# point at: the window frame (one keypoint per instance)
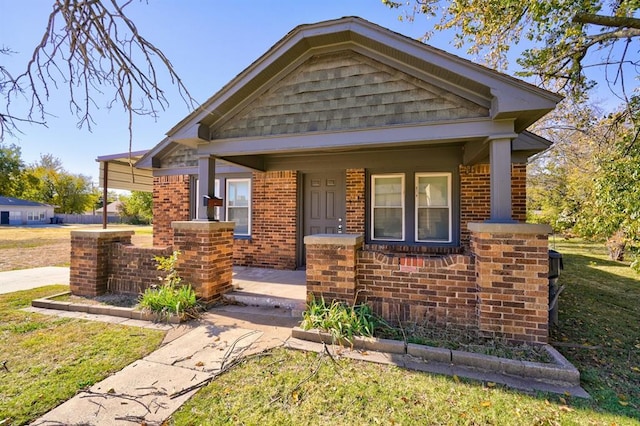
(248, 207)
(373, 205)
(449, 205)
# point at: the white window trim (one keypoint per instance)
(249, 206)
(448, 206)
(373, 205)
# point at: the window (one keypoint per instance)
(198, 204)
(239, 205)
(387, 207)
(412, 208)
(433, 207)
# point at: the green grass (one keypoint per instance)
(599, 326)
(600, 309)
(49, 358)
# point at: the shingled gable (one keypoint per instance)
(371, 74)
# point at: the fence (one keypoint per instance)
(86, 219)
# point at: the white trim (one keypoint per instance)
(373, 204)
(249, 203)
(448, 206)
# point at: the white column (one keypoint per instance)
(206, 183)
(500, 160)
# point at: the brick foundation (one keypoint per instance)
(437, 290)
(512, 266)
(171, 202)
(207, 256)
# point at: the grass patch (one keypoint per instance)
(599, 332)
(49, 359)
(290, 388)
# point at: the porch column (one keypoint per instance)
(500, 163)
(512, 266)
(332, 266)
(206, 183)
(206, 258)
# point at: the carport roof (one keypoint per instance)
(122, 172)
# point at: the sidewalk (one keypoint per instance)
(25, 279)
(149, 390)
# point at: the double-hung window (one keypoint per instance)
(433, 207)
(239, 205)
(387, 205)
(419, 211)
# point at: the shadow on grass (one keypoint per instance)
(599, 328)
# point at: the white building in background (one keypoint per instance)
(14, 211)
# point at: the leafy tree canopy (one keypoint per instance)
(563, 38)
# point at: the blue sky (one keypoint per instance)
(208, 42)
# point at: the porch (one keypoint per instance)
(264, 287)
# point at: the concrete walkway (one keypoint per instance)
(25, 279)
(149, 390)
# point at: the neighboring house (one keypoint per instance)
(345, 127)
(14, 211)
(112, 208)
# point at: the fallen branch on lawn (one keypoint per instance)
(210, 379)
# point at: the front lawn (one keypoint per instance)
(48, 359)
(599, 332)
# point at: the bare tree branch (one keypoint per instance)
(92, 48)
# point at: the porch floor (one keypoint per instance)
(268, 288)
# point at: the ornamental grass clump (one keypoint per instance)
(172, 297)
(342, 321)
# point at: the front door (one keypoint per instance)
(323, 205)
(4, 218)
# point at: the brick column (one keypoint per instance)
(207, 256)
(90, 251)
(331, 265)
(512, 266)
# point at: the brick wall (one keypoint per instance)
(132, 269)
(273, 222)
(332, 266)
(171, 201)
(512, 265)
(90, 254)
(475, 195)
(355, 201)
(207, 256)
(440, 290)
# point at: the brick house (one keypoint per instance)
(392, 171)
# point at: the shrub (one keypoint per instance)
(343, 322)
(172, 297)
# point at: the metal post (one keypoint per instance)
(104, 194)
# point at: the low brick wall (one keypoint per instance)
(440, 290)
(132, 269)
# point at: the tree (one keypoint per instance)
(11, 168)
(567, 38)
(50, 183)
(137, 208)
(89, 47)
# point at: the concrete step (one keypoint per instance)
(294, 307)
